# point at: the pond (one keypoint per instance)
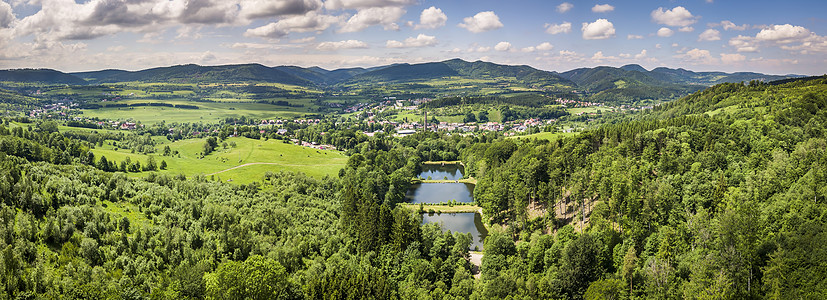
(440, 192)
(461, 222)
(440, 172)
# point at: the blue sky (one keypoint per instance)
(763, 36)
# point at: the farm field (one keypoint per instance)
(590, 109)
(248, 161)
(208, 112)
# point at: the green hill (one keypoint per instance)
(404, 73)
(524, 74)
(47, 76)
(208, 74)
(98, 75)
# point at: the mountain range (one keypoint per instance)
(608, 81)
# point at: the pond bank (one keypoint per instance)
(457, 208)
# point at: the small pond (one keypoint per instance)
(440, 172)
(440, 192)
(461, 222)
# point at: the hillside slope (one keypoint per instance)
(47, 76)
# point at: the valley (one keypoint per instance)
(480, 174)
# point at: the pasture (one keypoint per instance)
(207, 112)
(248, 161)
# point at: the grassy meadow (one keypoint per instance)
(207, 112)
(245, 163)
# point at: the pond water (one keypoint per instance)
(461, 222)
(439, 172)
(440, 192)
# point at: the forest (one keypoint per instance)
(721, 194)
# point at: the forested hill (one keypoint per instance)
(626, 84)
(721, 194)
(209, 74)
(39, 76)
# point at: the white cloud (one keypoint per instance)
(698, 56)
(686, 29)
(634, 37)
(665, 32)
(413, 42)
(303, 40)
(732, 58)
(482, 22)
(364, 18)
(479, 49)
(641, 55)
(676, 17)
(728, 25)
(783, 34)
(787, 37)
(602, 8)
(743, 44)
(300, 23)
(598, 30)
(564, 7)
(256, 9)
(599, 57)
(528, 49)
(360, 4)
(348, 44)
(564, 27)
(710, 35)
(431, 18)
(503, 46)
(546, 46)
(115, 48)
(6, 15)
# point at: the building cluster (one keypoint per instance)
(513, 126)
(388, 103)
(576, 103)
(51, 110)
(313, 145)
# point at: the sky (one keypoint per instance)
(775, 37)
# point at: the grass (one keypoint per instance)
(208, 112)
(551, 136)
(590, 109)
(128, 210)
(727, 109)
(256, 156)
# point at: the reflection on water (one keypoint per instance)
(440, 192)
(461, 222)
(439, 172)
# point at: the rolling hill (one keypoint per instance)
(624, 84)
(47, 76)
(402, 73)
(208, 74)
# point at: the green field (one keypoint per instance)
(590, 109)
(255, 157)
(208, 112)
(551, 136)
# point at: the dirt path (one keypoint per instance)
(476, 261)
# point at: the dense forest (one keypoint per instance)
(718, 195)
